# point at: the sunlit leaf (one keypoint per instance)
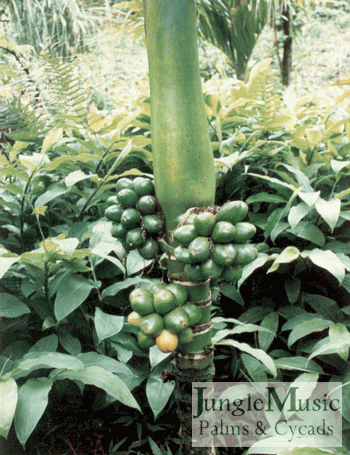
(33, 398)
(8, 402)
(329, 211)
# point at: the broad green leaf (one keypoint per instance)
(131, 377)
(309, 198)
(314, 136)
(256, 264)
(51, 139)
(135, 262)
(6, 263)
(71, 294)
(275, 181)
(257, 353)
(302, 179)
(298, 364)
(51, 194)
(46, 344)
(11, 306)
(325, 306)
(266, 197)
(120, 285)
(306, 451)
(156, 356)
(256, 371)
(68, 246)
(329, 211)
(33, 161)
(289, 254)
(346, 310)
(36, 360)
(241, 328)
(155, 449)
(327, 260)
(345, 260)
(332, 347)
(107, 325)
(292, 288)
(297, 213)
(308, 231)
(295, 320)
(305, 328)
(70, 343)
(339, 333)
(270, 322)
(104, 380)
(33, 398)
(75, 177)
(158, 392)
(337, 166)
(8, 403)
(103, 249)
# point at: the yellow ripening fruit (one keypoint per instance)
(167, 341)
(134, 318)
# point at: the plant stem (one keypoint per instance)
(183, 172)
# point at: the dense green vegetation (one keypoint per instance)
(72, 372)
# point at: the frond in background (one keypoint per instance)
(233, 26)
(62, 26)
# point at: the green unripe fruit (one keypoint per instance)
(194, 312)
(233, 212)
(211, 269)
(123, 183)
(112, 200)
(153, 224)
(134, 319)
(232, 273)
(189, 218)
(134, 238)
(164, 301)
(193, 272)
(127, 198)
(158, 286)
(186, 336)
(150, 249)
(223, 232)
(204, 223)
(141, 301)
(114, 212)
(143, 186)
(176, 320)
(182, 254)
(145, 341)
(130, 218)
(185, 234)
(244, 232)
(118, 231)
(147, 205)
(199, 249)
(152, 324)
(224, 254)
(245, 254)
(180, 293)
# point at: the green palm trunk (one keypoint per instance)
(183, 168)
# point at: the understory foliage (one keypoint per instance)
(64, 280)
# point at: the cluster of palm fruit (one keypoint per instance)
(213, 242)
(136, 215)
(163, 316)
